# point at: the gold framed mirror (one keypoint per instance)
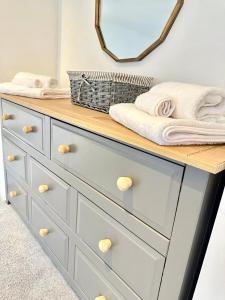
(130, 30)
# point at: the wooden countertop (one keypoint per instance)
(210, 158)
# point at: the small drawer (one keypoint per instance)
(146, 186)
(14, 158)
(25, 124)
(17, 196)
(55, 192)
(91, 282)
(131, 259)
(49, 233)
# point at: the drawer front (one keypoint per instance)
(26, 124)
(131, 259)
(55, 192)
(50, 234)
(14, 158)
(91, 282)
(155, 182)
(17, 196)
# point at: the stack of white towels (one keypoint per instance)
(34, 86)
(174, 113)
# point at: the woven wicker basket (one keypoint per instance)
(99, 90)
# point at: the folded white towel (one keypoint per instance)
(155, 104)
(195, 101)
(167, 131)
(19, 90)
(34, 80)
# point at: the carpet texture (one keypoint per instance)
(26, 273)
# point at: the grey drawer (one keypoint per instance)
(54, 191)
(55, 239)
(15, 158)
(91, 282)
(131, 259)
(156, 182)
(19, 119)
(17, 196)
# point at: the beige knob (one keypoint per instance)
(64, 149)
(12, 194)
(27, 129)
(124, 183)
(11, 157)
(43, 232)
(101, 298)
(105, 245)
(43, 188)
(6, 117)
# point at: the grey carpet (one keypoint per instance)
(26, 273)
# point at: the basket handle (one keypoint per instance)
(84, 80)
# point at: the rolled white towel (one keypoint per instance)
(168, 131)
(195, 101)
(34, 80)
(28, 82)
(19, 90)
(155, 104)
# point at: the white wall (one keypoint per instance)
(29, 37)
(29, 40)
(211, 280)
(193, 52)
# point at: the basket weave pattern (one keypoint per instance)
(99, 90)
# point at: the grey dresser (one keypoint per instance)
(118, 222)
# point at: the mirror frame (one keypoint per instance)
(153, 46)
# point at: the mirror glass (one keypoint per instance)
(129, 27)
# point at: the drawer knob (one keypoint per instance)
(12, 194)
(100, 298)
(27, 129)
(124, 183)
(63, 149)
(43, 188)
(6, 117)
(43, 232)
(11, 157)
(105, 245)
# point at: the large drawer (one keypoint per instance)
(17, 196)
(49, 233)
(131, 259)
(155, 182)
(49, 187)
(91, 282)
(15, 158)
(26, 124)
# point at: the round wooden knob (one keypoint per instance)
(12, 194)
(105, 245)
(101, 298)
(124, 183)
(43, 232)
(11, 157)
(6, 117)
(64, 149)
(43, 188)
(27, 129)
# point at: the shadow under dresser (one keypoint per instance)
(119, 220)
